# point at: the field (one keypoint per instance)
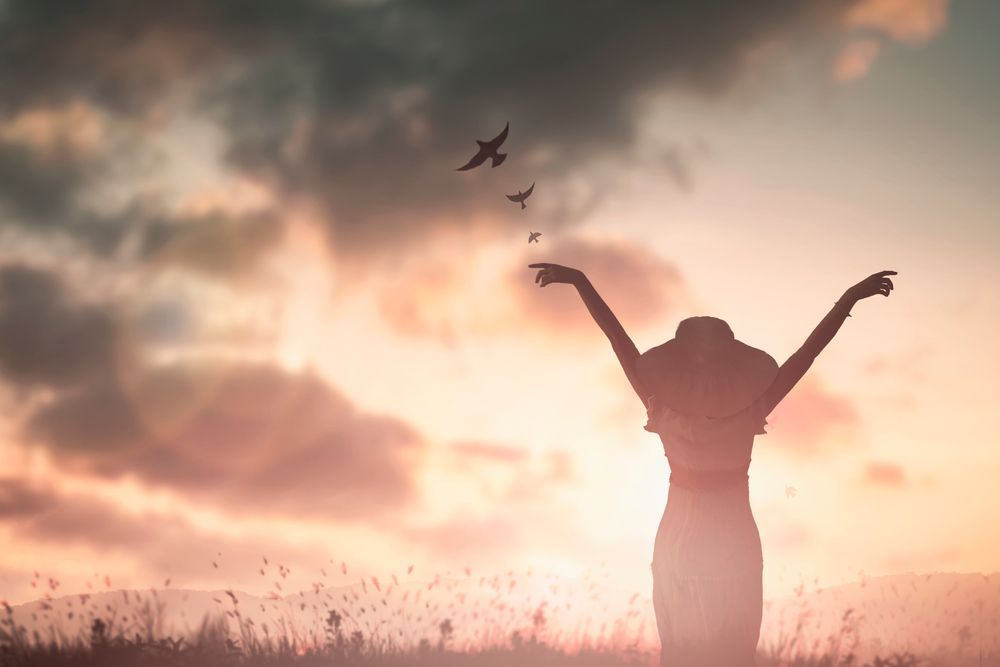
(457, 621)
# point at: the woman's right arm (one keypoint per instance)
(622, 345)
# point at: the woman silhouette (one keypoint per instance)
(707, 395)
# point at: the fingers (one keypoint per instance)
(885, 287)
(544, 266)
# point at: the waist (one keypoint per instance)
(708, 480)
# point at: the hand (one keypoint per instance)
(876, 283)
(555, 273)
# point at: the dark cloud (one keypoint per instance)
(252, 436)
(366, 108)
(255, 438)
(45, 337)
(21, 498)
(390, 101)
(214, 243)
(45, 192)
(39, 188)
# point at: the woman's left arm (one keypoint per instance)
(796, 366)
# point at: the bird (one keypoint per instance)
(488, 149)
(790, 491)
(521, 196)
(533, 236)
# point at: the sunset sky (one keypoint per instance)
(248, 306)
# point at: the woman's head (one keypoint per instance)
(704, 370)
(703, 336)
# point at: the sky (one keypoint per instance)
(248, 307)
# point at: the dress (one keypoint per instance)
(707, 560)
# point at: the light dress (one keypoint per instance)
(707, 560)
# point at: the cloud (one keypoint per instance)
(19, 498)
(908, 21)
(462, 539)
(812, 421)
(45, 337)
(638, 285)
(41, 186)
(446, 297)
(855, 60)
(249, 435)
(911, 21)
(163, 543)
(493, 453)
(366, 108)
(885, 474)
(383, 135)
(47, 188)
(253, 437)
(424, 301)
(906, 364)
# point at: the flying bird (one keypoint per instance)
(521, 196)
(533, 236)
(790, 491)
(488, 149)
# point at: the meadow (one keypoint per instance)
(480, 622)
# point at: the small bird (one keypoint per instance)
(790, 492)
(488, 149)
(533, 236)
(521, 196)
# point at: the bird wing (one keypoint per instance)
(527, 193)
(500, 138)
(475, 161)
(516, 197)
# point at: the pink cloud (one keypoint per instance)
(490, 539)
(438, 298)
(885, 474)
(907, 21)
(855, 59)
(421, 301)
(637, 284)
(161, 543)
(912, 21)
(253, 437)
(489, 452)
(811, 420)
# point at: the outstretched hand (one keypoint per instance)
(555, 273)
(876, 283)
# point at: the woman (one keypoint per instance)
(707, 395)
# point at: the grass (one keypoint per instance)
(82, 633)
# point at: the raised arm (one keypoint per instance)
(796, 366)
(622, 345)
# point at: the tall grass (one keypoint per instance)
(348, 628)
